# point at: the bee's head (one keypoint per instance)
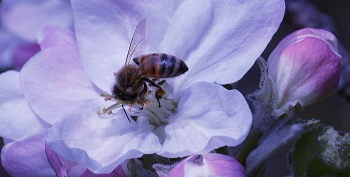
(123, 95)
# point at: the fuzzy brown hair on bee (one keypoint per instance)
(131, 80)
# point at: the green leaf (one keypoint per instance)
(321, 152)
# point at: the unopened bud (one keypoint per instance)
(210, 164)
(305, 67)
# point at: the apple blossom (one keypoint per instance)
(305, 67)
(210, 164)
(219, 41)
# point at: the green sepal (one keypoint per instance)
(162, 170)
(135, 168)
(321, 152)
(279, 137)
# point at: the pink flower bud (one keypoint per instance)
(210, 164)
(305, 67)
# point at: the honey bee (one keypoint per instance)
(130, 85)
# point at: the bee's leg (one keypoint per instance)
(159, 92)
(142, 96)
(158, 97)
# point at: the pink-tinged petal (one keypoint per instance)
(22, 54)
(26, 157)
(101, 143)
(179, 169)
(26, 18)
(54, 81)
(17, 119)
(305, 66)
(104, 31)
(63, 167)
(220, 40)
(223, 165)
(56, 162)
(298, 36)
(117, 172)
(216, 121)
(211, 164)
(51, 36)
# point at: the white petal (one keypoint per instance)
(101, 143)
(104, 31)
(220, 40)
(54, 81)
(17, 119)
(52, 36)
(209, 117)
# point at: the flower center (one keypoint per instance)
(158, 116)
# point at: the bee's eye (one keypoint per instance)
(126, 97)
(122, 96)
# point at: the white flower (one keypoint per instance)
(218, 40)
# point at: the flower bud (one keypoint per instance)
(210, 164)
(305, 67)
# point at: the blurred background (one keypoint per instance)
(332, 15)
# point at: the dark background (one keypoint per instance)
(334, 110)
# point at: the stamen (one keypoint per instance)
(109, 109)
(156, 115)
(145, 105)
(105, 95)
(102, 112)
(113, 106)
(108, 99)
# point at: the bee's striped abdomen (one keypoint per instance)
(161, 65)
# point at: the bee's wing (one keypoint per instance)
(138, 41)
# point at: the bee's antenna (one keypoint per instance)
(126, 113)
